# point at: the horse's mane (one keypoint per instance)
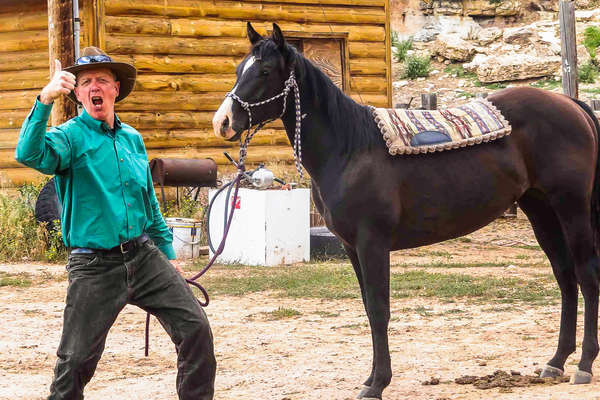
(355, 127)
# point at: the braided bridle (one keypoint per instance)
(289, 84)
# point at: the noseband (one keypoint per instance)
(289, 84)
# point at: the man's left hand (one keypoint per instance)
(177, 266)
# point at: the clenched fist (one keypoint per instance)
(61, 83)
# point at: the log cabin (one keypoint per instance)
(186, 52)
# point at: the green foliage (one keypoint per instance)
(591, 41)
(491, 86)
(587, 73)
(457, 71)
(15, 280)
(401, 46)
(416, 67)
(21, 237)
(283, 313)
(548, 84)
(332, 281)
(187, 208)
(591, 90)
(395, 38)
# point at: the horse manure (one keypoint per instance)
(505, 380)
(432, 381)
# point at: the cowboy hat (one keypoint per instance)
(94, 58)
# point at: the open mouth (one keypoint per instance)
(97, 101)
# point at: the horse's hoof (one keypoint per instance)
(581, 377)
(365, 395)
(551, 372)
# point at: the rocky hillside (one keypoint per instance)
(480, 46)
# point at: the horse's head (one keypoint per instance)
(260, 76)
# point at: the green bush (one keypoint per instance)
(591, 41)
(21, 237)
(587, 73)
(402, 47)
(416, 67)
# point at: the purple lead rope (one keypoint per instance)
(219, 250)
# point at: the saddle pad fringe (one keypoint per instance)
(476, 122)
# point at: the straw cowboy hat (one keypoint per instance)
(94, 58)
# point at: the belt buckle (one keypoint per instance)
(123, 251)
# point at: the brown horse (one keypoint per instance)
(375, 202)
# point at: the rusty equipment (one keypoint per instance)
(183, 172)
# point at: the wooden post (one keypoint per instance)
(61, 47)
(568, 48)
(595, 105)
(429, 101)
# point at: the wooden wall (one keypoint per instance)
(186, 52)
(24, 70)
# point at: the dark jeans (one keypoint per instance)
(100, 286)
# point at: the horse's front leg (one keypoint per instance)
(374, 265)
(356, 265)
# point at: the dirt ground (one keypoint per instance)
(324, 353)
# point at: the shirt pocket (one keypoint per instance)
(138, 164)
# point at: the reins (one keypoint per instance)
(290, 84)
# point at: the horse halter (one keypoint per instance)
(289, 84)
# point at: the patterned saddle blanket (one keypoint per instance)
(428, 131)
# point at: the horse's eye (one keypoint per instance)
(265, 72)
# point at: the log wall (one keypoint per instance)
(24, 70)
(186, 52)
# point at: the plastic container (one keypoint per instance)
(269, 227)
(186, 236)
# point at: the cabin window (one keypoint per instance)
(326, 50)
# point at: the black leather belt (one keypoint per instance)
(122, 248)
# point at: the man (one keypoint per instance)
(120, 244)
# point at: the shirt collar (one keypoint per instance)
(99, 126)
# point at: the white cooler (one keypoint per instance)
(269, 227)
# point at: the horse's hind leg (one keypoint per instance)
(548, 232)
(573, 212)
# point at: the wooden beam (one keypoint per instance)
(568, 48)
(194, 27)
(24, 60)
(23, 40)
(31, 21)
(26, 79)
(61, 47)
(93, 23)
(388, 52)
(241, 10)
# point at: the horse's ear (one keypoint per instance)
(278, 37)
(253, 36)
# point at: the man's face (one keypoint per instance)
(97, 90)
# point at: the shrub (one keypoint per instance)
(591, 41)
(21, 237)
(416, 67)
(587, 73)
(402, 48)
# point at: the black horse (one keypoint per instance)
(375, 202)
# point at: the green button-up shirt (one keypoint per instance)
(102, 179)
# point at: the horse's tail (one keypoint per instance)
(595, 206)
